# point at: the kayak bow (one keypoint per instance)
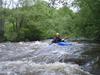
(64, 43)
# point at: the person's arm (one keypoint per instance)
(52, 41)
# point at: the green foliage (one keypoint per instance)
(40, 21)
(9, 32)
(29, 33)
(89, 18)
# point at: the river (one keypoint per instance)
(40, 58)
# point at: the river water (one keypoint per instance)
(40, 58)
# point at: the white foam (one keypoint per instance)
(52, 68)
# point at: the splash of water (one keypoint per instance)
(38, 58)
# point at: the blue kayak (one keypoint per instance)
(64, 43)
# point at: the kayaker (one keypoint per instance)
(57, 38)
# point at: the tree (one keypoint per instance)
(1, 2)
(89, 18)
(1, 20)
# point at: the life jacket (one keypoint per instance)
(56, 40)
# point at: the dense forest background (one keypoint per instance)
(29, 20)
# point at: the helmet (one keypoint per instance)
(57, 34)
(63, 39)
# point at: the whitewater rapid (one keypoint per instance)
(40, 58)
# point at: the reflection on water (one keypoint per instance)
(40, 58)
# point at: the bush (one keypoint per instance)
(9, 32)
